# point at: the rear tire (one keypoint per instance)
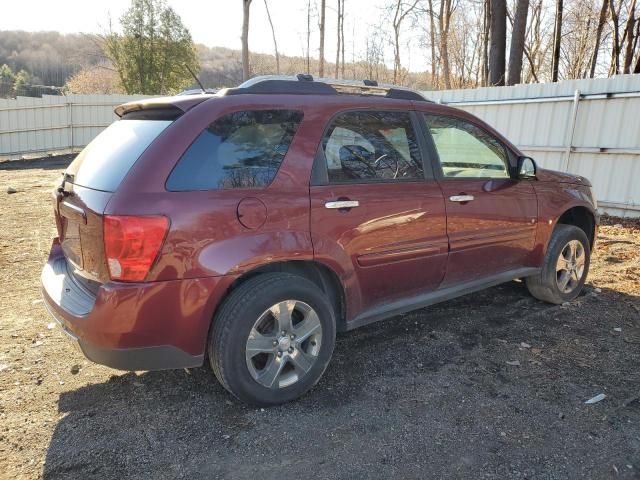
(565, 267)
(272, 339)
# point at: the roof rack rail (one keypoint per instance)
(304, 84)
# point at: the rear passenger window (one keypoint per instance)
(363, 146)
(239, 150)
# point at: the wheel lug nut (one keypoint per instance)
(275, 343)
(284, 333)
(292, 336)
(279, 353)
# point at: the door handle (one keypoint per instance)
(461, 198)
(340, 204)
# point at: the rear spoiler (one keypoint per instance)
(158, 108)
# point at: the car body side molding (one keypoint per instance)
(382, 312)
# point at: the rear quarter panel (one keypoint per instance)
(206, 237)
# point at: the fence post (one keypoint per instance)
(70, 120)
(570, 131)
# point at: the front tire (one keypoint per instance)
(565, 268)
(272, 339)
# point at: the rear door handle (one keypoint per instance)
(461, 198)
(340, 204)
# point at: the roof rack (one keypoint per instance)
(303, 84)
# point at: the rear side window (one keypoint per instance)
(106, 160)
(239, 150)
(363, 146)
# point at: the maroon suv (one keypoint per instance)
(248, 227)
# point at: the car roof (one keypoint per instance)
(303, 84)
(267, 85)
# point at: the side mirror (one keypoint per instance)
(526, 167)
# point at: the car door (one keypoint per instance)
(373, 212)
(491, 217)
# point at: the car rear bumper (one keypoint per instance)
(133, 326)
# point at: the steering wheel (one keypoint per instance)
(389, 164)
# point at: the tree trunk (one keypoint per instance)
(399, 16)
(557, 38)
(342, 37)
(432, 34)
(517, 42)
(246, 4)
(321, 67)
(445, 18)
(339, 39)
(498, 48)
(628, 33)
(636, 69)
(273, 33)
(308, 36)
(485, 41)
(602, 20)
(615, 52)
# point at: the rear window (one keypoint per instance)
(239, 150)
(106, 160)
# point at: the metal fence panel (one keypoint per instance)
(595, 134)
(590, 127)
(54, 124)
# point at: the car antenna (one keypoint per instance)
(195, 77)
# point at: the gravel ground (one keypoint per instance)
(491, 385)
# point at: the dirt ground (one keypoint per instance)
(449, 391)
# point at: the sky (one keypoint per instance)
(218, 23)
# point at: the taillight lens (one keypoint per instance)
(131, 245)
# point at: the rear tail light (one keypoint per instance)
(132, 244)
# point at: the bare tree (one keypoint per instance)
(432, 35)
(273, 33)
(308, 36)
(497, 52)
(246, 5)
(486, 24)
(536, 47)
(342, 37)
(321, 25)
(517, 42)
(401, 10)
(557, 39)
(629, 37)
(636, 69)
(602, 20)
(615, 48)
(444, 21)
(339, 38)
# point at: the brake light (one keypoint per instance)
(132, 244)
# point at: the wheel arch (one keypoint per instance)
(321, 275)
(582, 218)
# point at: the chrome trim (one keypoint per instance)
(74, 208)
(342, 204)
(461, 198)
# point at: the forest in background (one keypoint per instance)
(466, 43)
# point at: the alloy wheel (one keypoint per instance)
(283, 344)
(570, 266)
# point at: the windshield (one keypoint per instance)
(106, 160)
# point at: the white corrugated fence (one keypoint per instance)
(54, 124)
(587, 127)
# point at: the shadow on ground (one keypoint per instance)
(57, 162)
(425, 395)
